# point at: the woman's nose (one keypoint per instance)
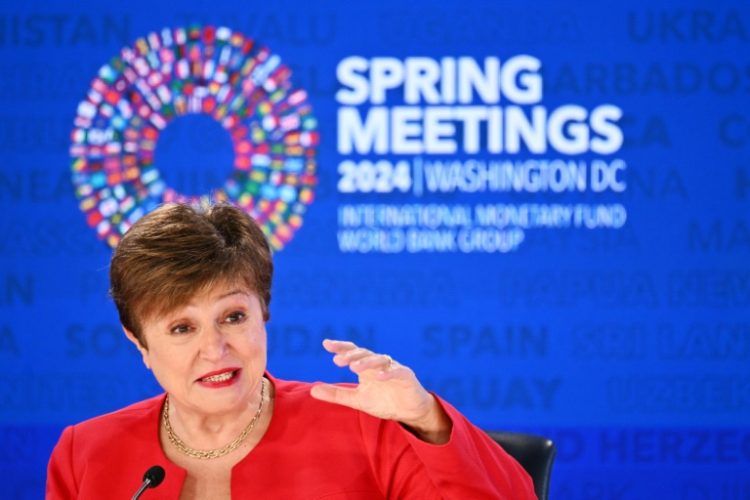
(213, 343)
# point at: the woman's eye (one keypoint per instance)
(180, 329)
(235, 317)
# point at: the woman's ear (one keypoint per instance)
(144, 352)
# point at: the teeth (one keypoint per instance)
(219, 378)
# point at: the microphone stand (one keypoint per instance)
(151, 479)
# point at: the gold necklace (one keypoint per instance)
(217, 452)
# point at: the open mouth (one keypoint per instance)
(220, 377)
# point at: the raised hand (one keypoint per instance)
(386, 389)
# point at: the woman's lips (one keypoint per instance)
(220, 378)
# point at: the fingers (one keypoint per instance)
(352, 356)
(382, 362)
(338, 346)
(335, 394)
(358, 359)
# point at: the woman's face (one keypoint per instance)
(209, 354)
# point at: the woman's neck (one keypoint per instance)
(205, 431)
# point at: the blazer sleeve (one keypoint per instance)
(61, 482)
(469, 465)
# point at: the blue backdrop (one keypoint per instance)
(543, 209)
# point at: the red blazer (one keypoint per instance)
(311, 450)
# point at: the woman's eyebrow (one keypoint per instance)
(233, 292)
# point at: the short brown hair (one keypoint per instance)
(179, 250)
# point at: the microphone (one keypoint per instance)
(151, 479)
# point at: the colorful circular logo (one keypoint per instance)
(165, 75)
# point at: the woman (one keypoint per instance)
(192, 288)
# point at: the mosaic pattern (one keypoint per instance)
(175, 72)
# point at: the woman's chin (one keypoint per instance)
(226, 397)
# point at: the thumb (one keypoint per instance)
(330, 393)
